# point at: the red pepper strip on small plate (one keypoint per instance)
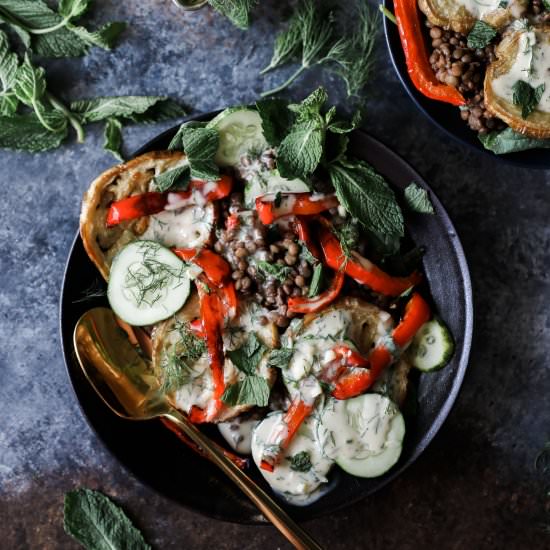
(301, 228)
(242, 463)
(211, 309)
(362, 270)
(299, 204)
(293, 418)
(417, 312)
(153, 202)
(216, 269)
(312, 305)
(416, 55)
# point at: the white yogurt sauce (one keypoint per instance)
(294, 485)
(187, 227)
(532, 65)
(238, 433)
(478, 8)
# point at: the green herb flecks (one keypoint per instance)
(96, 522)
(279, 358)
(248, 356)
(481, 35)
(253, 390)
(177, 363)
(275, 271)
(418, 199)
(147, 280)
(300, 462)
(316, 284)
(237, 11)
(527, 97)
(348, 235)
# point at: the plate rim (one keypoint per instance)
(422, 103)
(442, 413)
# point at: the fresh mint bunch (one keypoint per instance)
(312, 37)
(33, 119)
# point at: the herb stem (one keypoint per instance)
(285, 84)
(387, 13)
(75, 123)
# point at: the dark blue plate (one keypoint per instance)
(156, 457)
(446, 116)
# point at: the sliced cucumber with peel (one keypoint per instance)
(240, 130)
(432, 347)
(147, 283)
(379, 461)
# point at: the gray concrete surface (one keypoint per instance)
(475, 487)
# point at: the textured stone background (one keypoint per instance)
(475, 487)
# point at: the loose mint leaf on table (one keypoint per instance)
(100, 108)
(166, 109)
(526, 96)
(418, 200)
(237, 11)
(481, 34)
(30, 83)
(99, 524)
(176, 178)
(508, 141)
(248, 356)
(8, 71)
(27, 133)
(366, 195)
(113, 138)
(276, 119)
(253, 390)
(73, 8)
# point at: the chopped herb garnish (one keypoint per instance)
(279, 358)
(253, 390)
(418, 199)
(526, 96)
(481, 35)
(276, 271)
(300, 462)
(247, 357)
(316, 281)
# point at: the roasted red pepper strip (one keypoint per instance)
(228, 296)
(362, 270)
(293, 418)
(312, 305)
(416, 55)
(301, 228)
(212, 317)
(417, 312)
(299, 204)
(242, 463)
(150, 203)
(216, 269)
(351, 357)
(196, 328)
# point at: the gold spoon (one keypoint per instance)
(127, 385)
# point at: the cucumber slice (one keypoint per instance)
(366, 434)
(432, 347)
(271, 183)
(147, 283)
(240, 131)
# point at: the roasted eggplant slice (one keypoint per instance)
(523, 55)
(460, 16)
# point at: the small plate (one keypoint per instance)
(446, 116)
(157, 458)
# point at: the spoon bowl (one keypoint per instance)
(127, 384)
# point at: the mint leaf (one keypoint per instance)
(96, 522)
(526, 96)
(72, 8)
(100, 108)
(8, 75)
(30, 83)
(508, 141)
(366, 195)
(248, 356)
(279, 358)
(316, 281)
(200, 145)
(105, 37)
(481, 35)
(178, 177)
(275, 271)
(418, 200)
(276, 119)
(300, 462)
(311, 106)
(166, 109)
(237, 11)
(27, 133)
(253, 390)
(345, 126)
(113, 138)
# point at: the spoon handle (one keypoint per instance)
(270, 509)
